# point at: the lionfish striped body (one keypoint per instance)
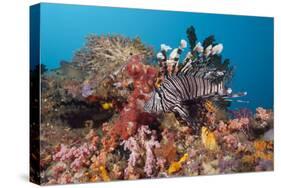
(176, 91)
(197, 78)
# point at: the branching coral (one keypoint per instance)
(114, 51)
(110, 49)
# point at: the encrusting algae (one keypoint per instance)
(106, 115)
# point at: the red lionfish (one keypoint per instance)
(201, 75)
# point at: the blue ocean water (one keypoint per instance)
(248, 41)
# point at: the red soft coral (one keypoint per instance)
(134, 67)
(132, 116)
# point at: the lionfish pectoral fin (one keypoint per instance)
(193, 101)
(182, 112)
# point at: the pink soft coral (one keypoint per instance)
(262, 114)
(132, 145)
(238, 124)
(77, 157)
(231, 141)
(150, 158)
(145, 140)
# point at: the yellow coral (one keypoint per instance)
(261, 152)
(176, 166)
(208, 139)
(183, 158)
(100, 173)
(104, 174)
(107, 105)
(263, 155)
(261, 145)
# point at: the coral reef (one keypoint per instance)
(94, 126)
